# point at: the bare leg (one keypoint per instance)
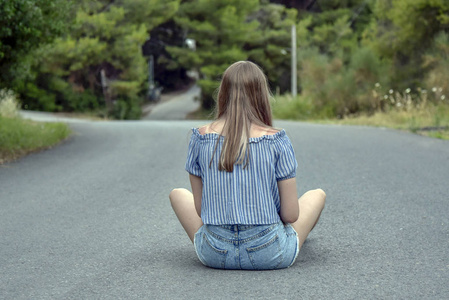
(182, 203)
(310, 206)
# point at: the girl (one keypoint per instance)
(244, 212)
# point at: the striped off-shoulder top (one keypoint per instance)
(246, 195)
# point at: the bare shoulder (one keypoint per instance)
(257, 131)
(272, 131)
(210, 128)
(203, 129)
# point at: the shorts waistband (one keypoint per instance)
(241, 233)
(238, 227)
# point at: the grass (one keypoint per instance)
(19, 137)
(425, 119)
(432, 121)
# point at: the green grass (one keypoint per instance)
(431, 120)
(427, 119)
(19, 137)
(288, 108)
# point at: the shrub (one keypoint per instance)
(36, 98)
(126, 110)
(298, 108)
(337, 88)
(81, 101)
(9, 106)
(437, 60)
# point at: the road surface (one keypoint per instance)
(178, 107)
(90, 218)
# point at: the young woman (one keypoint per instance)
(244, 212)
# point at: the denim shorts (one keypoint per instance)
(247, 247)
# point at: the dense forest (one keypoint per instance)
(353, 56)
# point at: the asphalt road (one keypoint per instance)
(90, 218)
(178, 107)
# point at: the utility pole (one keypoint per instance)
(293, 52)
(106, 91)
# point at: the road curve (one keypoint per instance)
(91, 218)
(178, 107)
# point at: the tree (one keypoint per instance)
(436, 60)
(106, 38)
(165, 35)
(221, 29)
(24, 26)
(271, 42)
(402, 31)
(336, 73)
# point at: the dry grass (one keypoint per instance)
(423, 112)
(431, 120)
(9, 106)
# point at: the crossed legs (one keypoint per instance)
(182, 203)
(310, 206)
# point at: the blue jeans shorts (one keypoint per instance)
(247, 247)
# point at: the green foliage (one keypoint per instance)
(412, 23)
(271, 42)
(437, 61)
(350, 53)
(337, 88)
(37, 98)
(19, 137)
(79, 101)
(105, 36)
(402, 31)
(24, 26)
(126, 110)
(220, 29)
(299, 108)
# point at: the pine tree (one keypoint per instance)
(402, 31)
(221, 29)
(107, 37)
(271, 43)
(24, 26)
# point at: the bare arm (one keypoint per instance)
(289, 200)
(197, 190)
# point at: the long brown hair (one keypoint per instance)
(243, 99)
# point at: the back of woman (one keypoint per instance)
(243, 212)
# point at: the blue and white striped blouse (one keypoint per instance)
(243, 196)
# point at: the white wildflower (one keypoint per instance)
(443, 97)
(440, 90)
(377, 84)
(390, 91)
(385, 97)
(434, 89)
(408, 90)
(398, 104)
